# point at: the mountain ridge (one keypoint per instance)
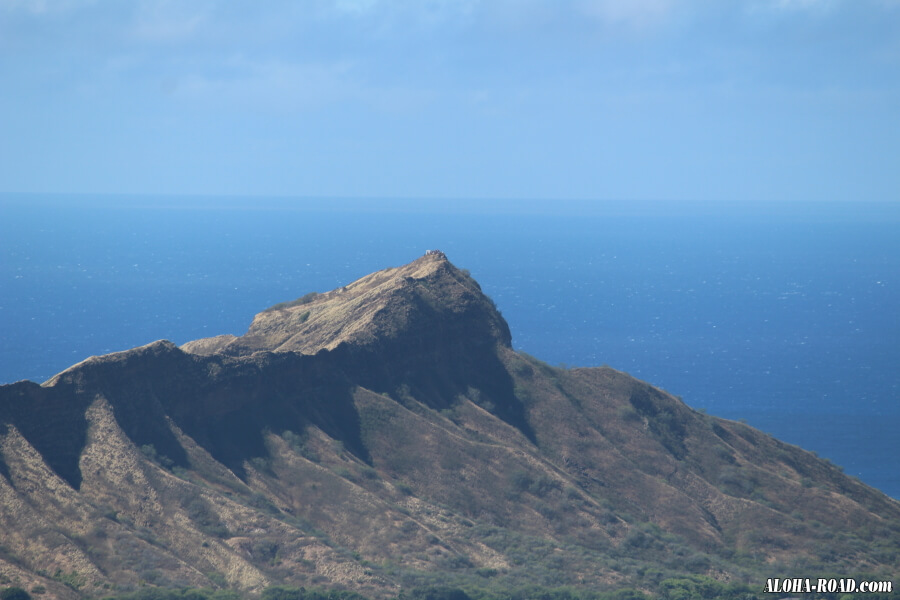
(393, 436)
(370, 308)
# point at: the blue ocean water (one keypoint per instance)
(785, 316)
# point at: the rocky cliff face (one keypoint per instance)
(386, 434)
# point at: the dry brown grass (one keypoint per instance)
(429, 451)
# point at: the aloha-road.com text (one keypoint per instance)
(801, 585)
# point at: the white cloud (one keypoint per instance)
(269, 85)
(355, 7)
(166, 20)
(636, 13)
(799, 5)
(44, 7)
(428, 13)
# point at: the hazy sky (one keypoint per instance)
(609, 99)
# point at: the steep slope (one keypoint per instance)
(426, 326)
(385, 435)
(428, 295)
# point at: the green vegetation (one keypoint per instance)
(470, 472)
(14, 593)
(73, 579)
(305, 299)
(293, 593)
(204, 517)
(299, 442)
(155, 593)
(693, 587)
(149, 450)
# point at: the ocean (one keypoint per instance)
(782, 315)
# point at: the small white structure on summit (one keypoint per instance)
(437, 253)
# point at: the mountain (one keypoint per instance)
(386, 435)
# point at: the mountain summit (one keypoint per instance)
(386, 435)
(426, 295)
(425, 326)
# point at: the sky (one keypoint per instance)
(771, 100)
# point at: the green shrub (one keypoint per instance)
(204, 517)
(627, 413)
(281, 592)
(438, 593)
(305, 299)
(72, 580)
(265, 550)
(14, 593)
(149, 450)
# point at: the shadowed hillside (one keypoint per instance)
(385, 435)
